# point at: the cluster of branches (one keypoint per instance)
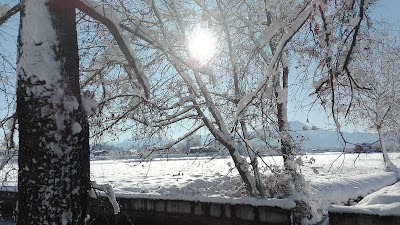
(243, 88)
(239, 94)
(375, 70)
(242, 92)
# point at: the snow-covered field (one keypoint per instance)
(333, 177)
(161, 174)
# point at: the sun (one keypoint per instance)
(202, 45)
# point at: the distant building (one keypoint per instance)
(101, 153)
(365, 148)
(202, 150)
(122, 153)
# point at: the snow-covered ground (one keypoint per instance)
(334, 177)
(384, 202)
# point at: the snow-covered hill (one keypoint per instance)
(306, 136)
(327, 139)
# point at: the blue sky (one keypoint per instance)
(389, 9)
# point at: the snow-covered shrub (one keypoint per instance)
(278, 184)
(281, 183)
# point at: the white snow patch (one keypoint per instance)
(318, 83)
(39, 40)
(3, 9)
(340, 190)
(88, 103)
(71, 104)
(355, 21)
(108, 189)
(384, 202)
(76, 128)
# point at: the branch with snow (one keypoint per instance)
(292, 30)
(6, 12)
(108, 189)
(108, 17)
(184, 137)
(345, 58)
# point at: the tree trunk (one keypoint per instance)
(283, 124)
(389, 166)
(253, 160)
(225, 138)
(53, 158)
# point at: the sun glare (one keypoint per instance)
(202, 45)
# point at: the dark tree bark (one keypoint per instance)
(53, 160)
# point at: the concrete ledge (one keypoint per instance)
(361, 219)
(162, 211)
(8, 200)
(177, 212)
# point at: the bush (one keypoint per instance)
(292, 185)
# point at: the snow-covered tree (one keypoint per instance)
(337, 36)
(376, 70)
(239, 89)
(250, 44)
(220, 66)
(362, 79)
(53, 132)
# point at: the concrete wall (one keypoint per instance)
(151, 211)
(141, 211)
(336, 218)
(154, 211)
(8, 202)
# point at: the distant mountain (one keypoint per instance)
(327, 139)
(296, 125)
(307, 137)
(139, 144)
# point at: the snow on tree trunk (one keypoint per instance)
(53, 158)
(389, 166)
(305, 208)
(283, 124)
